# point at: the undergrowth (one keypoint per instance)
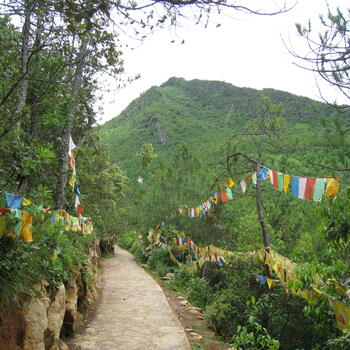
(22, 264)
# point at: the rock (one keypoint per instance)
(196, 336)
(56, 311)
(183, 302)
(12, 324)
(36, 333)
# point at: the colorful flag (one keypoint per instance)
(71, 146)
(280, 178)
(230, 182)
(319, 190)
(302, 187)
(243, 186)
(275, 178)
(286, 181)
(13, 200)
(332, 187)
(229, 193)
(309, 189)
(78, 206)
(263, 173)
(295, 186)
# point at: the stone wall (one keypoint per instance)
(40, 323)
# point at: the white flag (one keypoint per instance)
(71, 146)
(243, 186)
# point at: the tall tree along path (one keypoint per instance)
(133, 313)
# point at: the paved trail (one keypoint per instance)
(133, 313)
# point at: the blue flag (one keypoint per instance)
(13, 200)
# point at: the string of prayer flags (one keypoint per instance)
(308, 188)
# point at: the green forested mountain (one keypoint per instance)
(200, 114)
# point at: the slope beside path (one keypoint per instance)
(133, 313)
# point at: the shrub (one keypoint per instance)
(22, 264)
(160, 262)
(126, 240)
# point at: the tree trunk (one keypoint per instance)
(76, 85)
(259, 204)
(23, 85)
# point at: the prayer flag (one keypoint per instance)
(243, 186)
(229, 193)
(332, 187)
(26, 229)
(13, 200)
(302, 187)
(224, 197)
(71, 146)
(54, 254)
(309, 190)
(342, 314)
(254, 178)
(230, 182)
(286, 181)
(78, 206)
(76, 189)
(72, 161)
(263, 173)
(295, 186)
(280, 178)
(319, 190)
(275, 178)
(26, 202)
(271, 176)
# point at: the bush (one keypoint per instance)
(138, 252)
(126, 240)
(197, 291)
(159, 261)
(22, 264)
(254, 337)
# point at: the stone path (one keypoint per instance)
(133, 313)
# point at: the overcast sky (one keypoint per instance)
(246, 51)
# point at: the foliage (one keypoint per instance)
(23, 264)
(256, 339)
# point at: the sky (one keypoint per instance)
(245, 50)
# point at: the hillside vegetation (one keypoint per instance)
(182, 141)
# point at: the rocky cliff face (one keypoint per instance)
(40, 322)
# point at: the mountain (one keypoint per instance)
(201, 114)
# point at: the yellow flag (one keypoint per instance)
(342, 314)
(72, 181)
(286, 179)
(54, 254)
(271, 283)
(26, 202)
(332, 187)
(230, 182)
(26, 229)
